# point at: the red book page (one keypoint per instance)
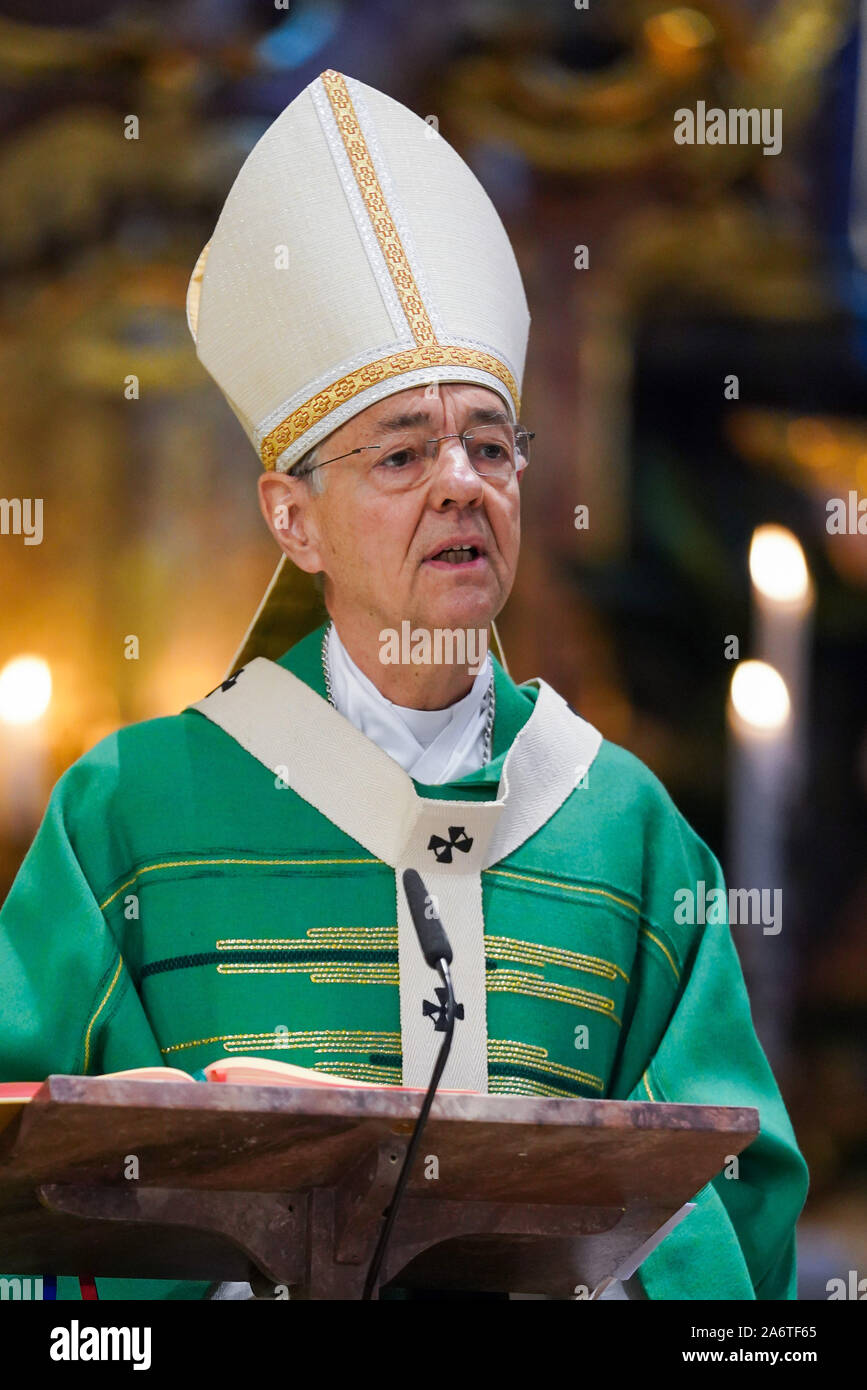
(18, 1090)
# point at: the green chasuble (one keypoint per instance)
(179, 905)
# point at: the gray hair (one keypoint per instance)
(305, 467)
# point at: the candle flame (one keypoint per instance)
(778, 567)
(25, 690)
(759, 696)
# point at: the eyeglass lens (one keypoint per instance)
(495, 451)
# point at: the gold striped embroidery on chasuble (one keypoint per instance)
(557, 981)
(557, 959)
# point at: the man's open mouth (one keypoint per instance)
(457, 555)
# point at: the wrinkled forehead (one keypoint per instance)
(461, 403)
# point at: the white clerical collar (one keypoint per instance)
(433, 746)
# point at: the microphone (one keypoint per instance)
(437, 951)
(429, 929)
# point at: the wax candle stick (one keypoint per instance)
(25, 693)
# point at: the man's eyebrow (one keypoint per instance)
(480, 416)
(483, 416)
(403, 422)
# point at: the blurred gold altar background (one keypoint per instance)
(702, 261)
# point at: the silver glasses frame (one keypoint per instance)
(463, 436)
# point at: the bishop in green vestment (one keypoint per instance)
(222, 881)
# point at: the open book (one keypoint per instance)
(255, 1071)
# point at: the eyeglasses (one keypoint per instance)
(497, 452)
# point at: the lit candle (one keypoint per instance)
(760, 728)
(25, 693)
(782, 602)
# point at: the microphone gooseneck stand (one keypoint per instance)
(438, 954)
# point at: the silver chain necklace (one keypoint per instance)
(490, 697)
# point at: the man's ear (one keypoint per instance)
(287, 506)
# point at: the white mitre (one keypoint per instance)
(356, 255)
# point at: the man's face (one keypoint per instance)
(377, 548)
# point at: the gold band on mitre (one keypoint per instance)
(397, 364)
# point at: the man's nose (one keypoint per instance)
(454, 478)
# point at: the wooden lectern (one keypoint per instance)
(289, 1184)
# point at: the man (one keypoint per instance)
(225, 881)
